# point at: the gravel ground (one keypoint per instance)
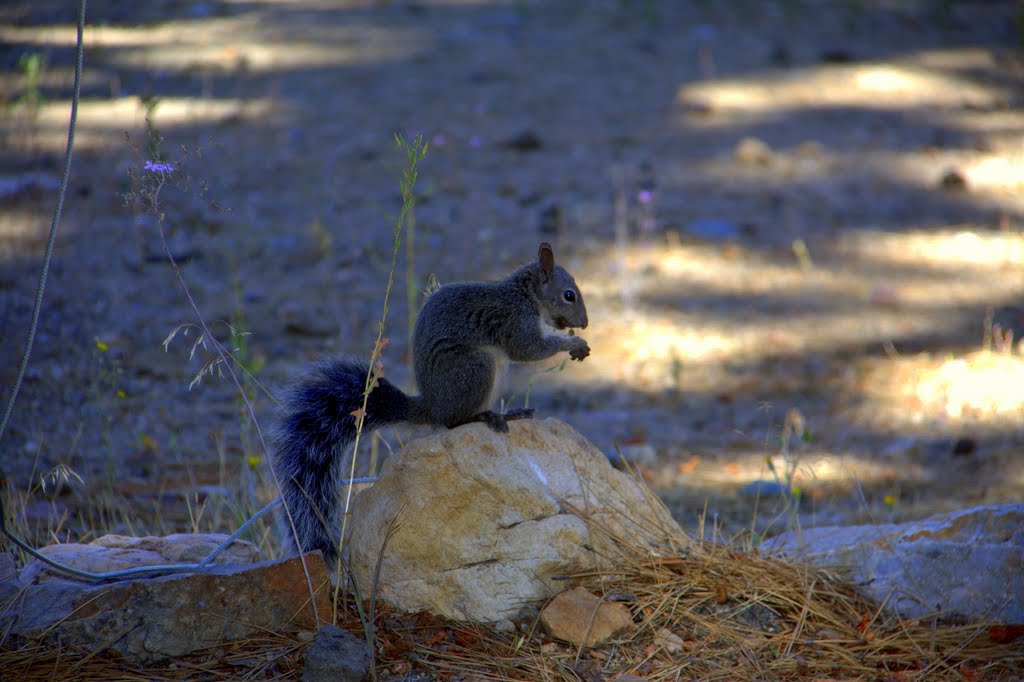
(797, 226)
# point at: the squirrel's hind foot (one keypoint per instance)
(521, 413)
(498, 422)
(494, 420)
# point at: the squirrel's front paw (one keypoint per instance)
(580, 349)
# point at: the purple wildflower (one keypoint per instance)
(159, 167)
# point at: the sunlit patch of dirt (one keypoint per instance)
(696, 306)
(968, 252)
(949, 394)
(916, 80)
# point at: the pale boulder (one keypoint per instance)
(483, 523)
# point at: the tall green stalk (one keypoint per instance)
(414, 153)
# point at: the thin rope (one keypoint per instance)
(143, 570)
(23, 365)
(138, 570)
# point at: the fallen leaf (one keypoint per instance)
(1003, 634)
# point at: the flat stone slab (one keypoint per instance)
(963, 565)
(150, 619)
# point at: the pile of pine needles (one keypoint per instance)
(717, 614)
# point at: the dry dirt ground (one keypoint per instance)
(797, 226)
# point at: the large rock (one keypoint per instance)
(148, 619)
(968, 564)
(483, 522)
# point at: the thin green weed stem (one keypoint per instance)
(414, 153)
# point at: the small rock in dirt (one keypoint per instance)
(505, 625)
(631, 454)
(668, 640)
(307, 321)
(884, 296)
(698, 106)
(589, 670)
(335, 655)
(524, 141)
(508, 191)
(530, 198)
(908, 446)
(584, 619)
(753, 615)
(953, 181)
(552, 220)
(964, 447)
(810, 149)
(647, 47)
(205, 492)
(180, 246)
(837, 56)
(752, 152)
(526, 617)
(781, 56)
(713, 229)
(764, 489)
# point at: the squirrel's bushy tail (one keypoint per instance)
(311, 439)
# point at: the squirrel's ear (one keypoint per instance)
(547, 261)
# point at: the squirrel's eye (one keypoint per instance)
(569, 296)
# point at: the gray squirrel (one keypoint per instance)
(464, 335)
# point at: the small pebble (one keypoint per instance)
(751, 151)
(524, 141)
(763, 489)
(953, 181)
